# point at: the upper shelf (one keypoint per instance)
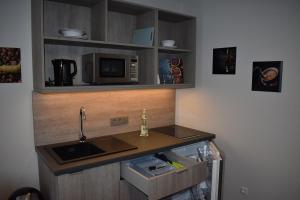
(173, 50)
(93, 43)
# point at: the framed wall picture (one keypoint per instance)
(10, 65)
(266, 76)
(224, 60)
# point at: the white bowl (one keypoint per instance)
(168, 43)
(68, 32)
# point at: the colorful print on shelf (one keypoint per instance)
(10, 65)
(224, 60)
(266, 76)
(171, 70)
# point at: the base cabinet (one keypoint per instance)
(99, 183)
(199, 176)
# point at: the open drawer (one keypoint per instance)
(163, 185)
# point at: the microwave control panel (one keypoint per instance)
(134, 70)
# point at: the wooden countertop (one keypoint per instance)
(159, 139)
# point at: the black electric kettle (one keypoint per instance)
(62, 72)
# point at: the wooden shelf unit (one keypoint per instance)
(109, 25)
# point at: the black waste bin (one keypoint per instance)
(26, 193)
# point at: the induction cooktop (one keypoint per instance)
(178, 131)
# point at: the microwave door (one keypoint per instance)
(217, 166)
(112, 70)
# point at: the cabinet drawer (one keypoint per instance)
(160, 186)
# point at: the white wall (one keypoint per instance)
(18, 166)
(259, 131)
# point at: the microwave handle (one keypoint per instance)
(75, 68)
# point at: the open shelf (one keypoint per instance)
(109, 26)
(89, 16)
(187, 63)
(55, 51)
(181, 28)
(124, 18)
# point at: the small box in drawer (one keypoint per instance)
(160, 186)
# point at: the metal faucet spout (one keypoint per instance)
(82, 137)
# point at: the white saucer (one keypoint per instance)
(83, 37)
(73, 33)
(172, 47)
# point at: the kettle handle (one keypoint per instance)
(75, 68)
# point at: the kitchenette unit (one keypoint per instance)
(105, 80)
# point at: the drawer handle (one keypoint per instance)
(74, 173)
(182, 170)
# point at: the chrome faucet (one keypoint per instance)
(82, 137)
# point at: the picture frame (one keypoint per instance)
(267, 76)
(10, 65)
(224, 60)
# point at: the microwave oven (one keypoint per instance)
(102, 68)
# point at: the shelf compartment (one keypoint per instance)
(89, 16)
(181, 28)
(188, 59)
(125, 18)
(166, 184)
(55, 51)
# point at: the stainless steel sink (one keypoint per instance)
(74, 151)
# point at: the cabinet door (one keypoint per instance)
(98, 183)
(101, 183)
(70, 186)
(129, 192)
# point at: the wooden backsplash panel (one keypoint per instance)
(56, 116)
